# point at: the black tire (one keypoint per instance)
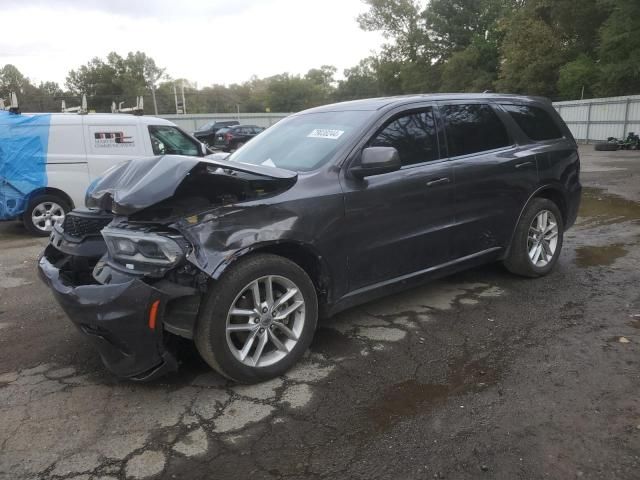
(606, 147)
(210, 335)
(518, 260)
(34, 202)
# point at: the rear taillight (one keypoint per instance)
(228, 137)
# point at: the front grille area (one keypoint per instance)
(81, 224)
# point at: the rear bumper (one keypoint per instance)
(573, 205)
(115, 317)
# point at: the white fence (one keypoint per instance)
(589, 120)
(597, 119)
(191, 122)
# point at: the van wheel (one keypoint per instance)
(537, 242)
(258, 319)
(43, 212)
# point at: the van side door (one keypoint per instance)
(493, 176)
(109, 144)
(398, 222)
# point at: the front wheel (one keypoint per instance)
(43, 212)
(258, 319)
(537, 241)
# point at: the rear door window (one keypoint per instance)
(413, 135)
(473, 128)
(535, 122)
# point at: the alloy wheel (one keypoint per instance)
(542, 240)
(265, 321)
(47, 214)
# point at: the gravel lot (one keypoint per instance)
(481, 375)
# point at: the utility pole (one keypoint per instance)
(153, 96)
(175, 96)
(184, 103)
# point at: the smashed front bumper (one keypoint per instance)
(119, 316)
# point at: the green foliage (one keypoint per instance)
(532, 55)
(581, 73)
(401, 21)
(473, 69)
(456, 24)
(619, 50)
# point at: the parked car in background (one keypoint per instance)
(329, 208)
(232, 138)
(47, 161)
(207, 132)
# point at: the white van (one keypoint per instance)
(47, 161)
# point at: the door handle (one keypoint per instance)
(523, 164)
(438, 181)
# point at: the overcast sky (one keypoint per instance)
(207, 41)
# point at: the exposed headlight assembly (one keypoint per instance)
(130, 247)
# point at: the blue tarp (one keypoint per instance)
(23, 160)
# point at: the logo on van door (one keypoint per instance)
(112, 140)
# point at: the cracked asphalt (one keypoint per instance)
(480, 375)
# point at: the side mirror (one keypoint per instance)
(375, 161)
(204, 151)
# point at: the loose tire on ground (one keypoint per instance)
(211, 329)
(606, 147)
(40, 204)
(518, 259)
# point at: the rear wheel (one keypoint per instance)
(258, 319)
(537, 242)
(43, 212)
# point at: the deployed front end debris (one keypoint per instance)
(126, 270)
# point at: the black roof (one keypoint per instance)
(370, 104)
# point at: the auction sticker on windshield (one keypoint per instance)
(326, 133)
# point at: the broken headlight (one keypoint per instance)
(129, 247)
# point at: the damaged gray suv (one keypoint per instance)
(329, 208)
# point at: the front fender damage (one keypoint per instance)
(221, 236)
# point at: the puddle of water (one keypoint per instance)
(410, 397)
(592, 256)
(598, 208)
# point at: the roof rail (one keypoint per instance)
(13, 104)
(137, 110)
(82, 109)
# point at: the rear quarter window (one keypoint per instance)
(535, 122)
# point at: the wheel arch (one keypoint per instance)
(51, 191)
(302, 254)
(549, 191)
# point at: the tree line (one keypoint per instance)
(562, 49)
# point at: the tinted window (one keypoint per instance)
(413, 135)
(534, 122)
(473, 128)
(166, 140)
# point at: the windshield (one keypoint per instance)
(302, 142)
(206, 126)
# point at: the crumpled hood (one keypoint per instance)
(137, 184)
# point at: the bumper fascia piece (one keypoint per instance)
(116, 318)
